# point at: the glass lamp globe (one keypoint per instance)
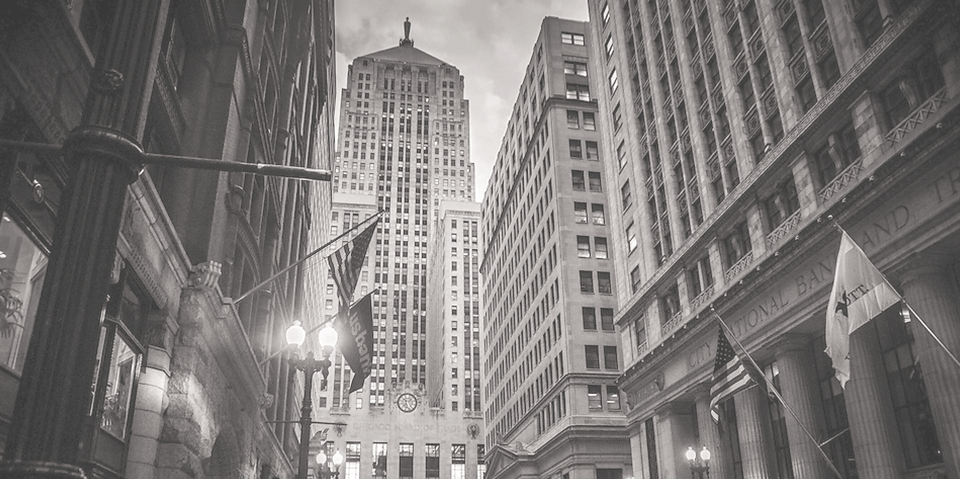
(327, 337)
(321, 458)
(705, 454)
(296, 334)
(691, 454)
(337, 459)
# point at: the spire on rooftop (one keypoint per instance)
(406, 41)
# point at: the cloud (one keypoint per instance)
(489, 41)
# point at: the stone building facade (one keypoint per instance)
(744, 129)
(550, 349)
(185, 384)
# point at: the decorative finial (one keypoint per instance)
(406, 41)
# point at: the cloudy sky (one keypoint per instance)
(490, 41)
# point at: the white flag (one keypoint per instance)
(860, 293)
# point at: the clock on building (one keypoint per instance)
(407, 402)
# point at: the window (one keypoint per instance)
(631, 237)
(573, 119)
(600, 247)
(622, 154)
(610, 357)
(669, 304)
(634, 279)
(699, 276)
(613, 404)
(608, 46)
(578, 181)
(626, 195)
(916, 82)
(617, 118)
(458, 453)
(593, 152)
(586, 282)
(580, 213)
(576, 91)
(840, 151)
(604, 286)
(575, 68)
(597, 213)
(736, 245)
(571, 38)
(589, 121)
(406, 460)
(614, 80)
(907, 387)
(353, 460)
(606, 319)
(21, 281)
(870, 22)
(595, 183)
(576, 149)
(379, 459)
(605, 14)
(782, 203)
(594, 401)
(589, 318)
(432, 454)
(592, 356)
(583, 246)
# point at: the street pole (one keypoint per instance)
(54, 394)
(309, 365)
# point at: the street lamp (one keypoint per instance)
(699, 468)
(328, 339)
(336, 460)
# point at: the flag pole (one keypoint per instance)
(773, 389)
(912, 312)
(301, 260)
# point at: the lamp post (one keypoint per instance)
(701, 467)
(335, 461)
(309, 365)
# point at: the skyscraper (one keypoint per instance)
(743, 129)
(550, 349)
(403, 148)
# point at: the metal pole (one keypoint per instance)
(305, 420)
(268, 169)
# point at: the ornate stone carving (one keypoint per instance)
(266, 401)
(106, 81)
(205, 275)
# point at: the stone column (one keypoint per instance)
(800, 391)
(105, 157)
(753, 424)
(674, 436)
(709, 435)
(876, 444)
(932, 293)
(151, 391)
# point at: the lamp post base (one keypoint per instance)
(39, 470)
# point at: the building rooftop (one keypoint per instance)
(406, 52)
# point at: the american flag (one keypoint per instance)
(730, 376)
(346, 263)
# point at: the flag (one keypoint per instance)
(860, 293)
(730, 375)
(346, 263)
(355, 340)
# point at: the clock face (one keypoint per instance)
(407, 402)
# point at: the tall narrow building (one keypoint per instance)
(743, 130)
(403, 147)
(550, 360)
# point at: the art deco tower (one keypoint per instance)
(403, 148)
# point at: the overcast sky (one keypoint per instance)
(490, 41)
